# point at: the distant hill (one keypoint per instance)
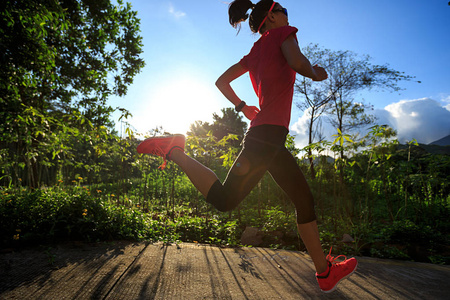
(435, 149)
(445, 141)
(441, 146)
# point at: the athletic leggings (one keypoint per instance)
(264, 150)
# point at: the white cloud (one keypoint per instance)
(176, 13)
(425, 120)
(300, 129)
(446, 101)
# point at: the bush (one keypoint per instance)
(50, 215)
(56, 214)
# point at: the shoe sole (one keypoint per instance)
(343, 278)
(141, 147)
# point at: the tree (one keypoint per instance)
(61, 59)
(199, 128)
(348, 74)
(221, 139)
(229, 123)
(315, 100)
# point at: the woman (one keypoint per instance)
(272, 63)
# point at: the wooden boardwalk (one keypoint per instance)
(124, 270)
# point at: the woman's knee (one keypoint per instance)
(306, 216)
(221, 198)
(222, 203)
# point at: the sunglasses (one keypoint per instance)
(283, 10)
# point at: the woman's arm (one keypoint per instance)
(223, 83)
(299, 63)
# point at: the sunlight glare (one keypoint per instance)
(177, 104)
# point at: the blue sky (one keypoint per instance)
(189, 44)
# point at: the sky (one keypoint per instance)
(189, 44)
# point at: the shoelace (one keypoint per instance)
(333, 259)
(159, 152)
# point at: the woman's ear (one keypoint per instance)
(271, 17)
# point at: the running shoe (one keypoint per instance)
(162, 146)
(336, 272)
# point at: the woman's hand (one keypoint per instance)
(321, 74)
(250, 111)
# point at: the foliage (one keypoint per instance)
(229, 123)
(61, 213)
(386, 215)
(348, 74)
(67, 175)
(60, 62)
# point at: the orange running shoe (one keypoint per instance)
(162, 146)
(336, 272)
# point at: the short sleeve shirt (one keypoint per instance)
(272, 77)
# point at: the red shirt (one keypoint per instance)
(272, 78)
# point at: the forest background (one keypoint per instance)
(66, 174)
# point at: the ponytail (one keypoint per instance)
(237, 13)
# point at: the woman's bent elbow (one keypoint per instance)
(219, 83)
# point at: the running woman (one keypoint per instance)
(272, 64)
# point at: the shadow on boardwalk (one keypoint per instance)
(124, 270)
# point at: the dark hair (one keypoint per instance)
(237, 13)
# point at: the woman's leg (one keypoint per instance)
(260, 145)
(288, 175)
(245, 173)
(201, 177)
(310, 237)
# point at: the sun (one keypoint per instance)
(177, 104)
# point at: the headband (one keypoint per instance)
(264, 20)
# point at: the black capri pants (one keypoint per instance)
(264, 150)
